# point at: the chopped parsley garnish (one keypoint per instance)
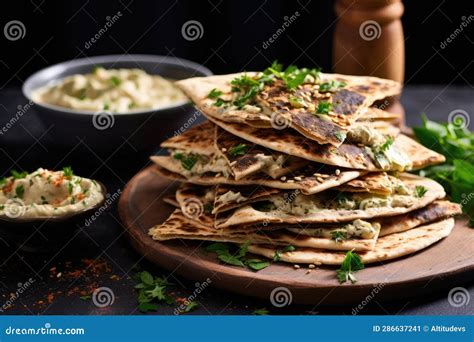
(131, 105)
(238, 258)
(151, 290)
(3, 181)
(214, 94)
(107, 107)
(292, 75)
(351, 263)
(420, 191)
(95, 68)
(238, 150)
(386, 145)
(70, 187)
(338, 235)
(115, 81)
(324, 107)
(279, 252)
(82, 94)
(187, 160)
(18, 175)
(247, 87)
(19, 191)
(67, 171)
(43, 200)
(331, 86)
(296, 102)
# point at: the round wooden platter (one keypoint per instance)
(443, 265)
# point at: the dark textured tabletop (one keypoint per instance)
(61, 281)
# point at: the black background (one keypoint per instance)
(233, 34)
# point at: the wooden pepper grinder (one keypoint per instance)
(368, 40)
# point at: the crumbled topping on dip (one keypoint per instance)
(114, 90)
(46, 193)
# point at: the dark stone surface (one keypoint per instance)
(26, 146)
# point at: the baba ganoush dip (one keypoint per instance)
(47, 194)
(114, 90)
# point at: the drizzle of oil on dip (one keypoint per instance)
(114, 90)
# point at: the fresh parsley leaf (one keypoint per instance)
(18, 175)
(247, 87)
(341, 136)
(456, 142)
(86, 297)
(151, 289)
(338, 235)
(279, 252)
(331, 86)
(115, 81)
(67, 171)
(187, 160)
(214, 94)
(19, 191)
(260, 312)
(420, 191)
(238, 150)
(70, 187)
(351, 263)
(386, 145)
(324, 107)
(238, 258)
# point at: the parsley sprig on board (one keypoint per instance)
(456, 143)
(238, 258)
(352, 263)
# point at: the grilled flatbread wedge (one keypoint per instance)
(387, 247)
(404, 153)
(303, 180)
(322, 107)
(179, 226)
(334, 206)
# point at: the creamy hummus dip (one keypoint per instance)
(114, 90)
(46, 194)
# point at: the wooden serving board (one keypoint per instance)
(443, 265)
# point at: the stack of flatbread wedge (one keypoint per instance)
(297, 158)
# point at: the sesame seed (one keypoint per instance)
(296, 266)
(290, 181)
(223, 149)
(320, 179)
(298, 178)
(283, 178)
(338, 172)
(312, 266)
